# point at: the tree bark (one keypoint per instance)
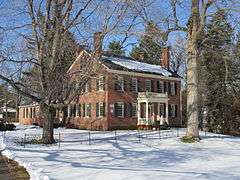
(192, 77)
(48, 118)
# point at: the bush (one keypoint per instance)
(10, 127)
(7, 127)
(189, 139)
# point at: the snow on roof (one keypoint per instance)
(9, 109)
(137, 66)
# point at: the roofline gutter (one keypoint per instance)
(142, 74)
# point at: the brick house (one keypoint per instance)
(125, 93)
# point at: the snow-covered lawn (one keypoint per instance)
(105, 159)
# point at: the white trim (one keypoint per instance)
(136, 87)
(122, 104)
(146, 84)
(142, 75)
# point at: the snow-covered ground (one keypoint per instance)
(125, 158)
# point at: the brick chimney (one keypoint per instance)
(98, 37)
(165, 58)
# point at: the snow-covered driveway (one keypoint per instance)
(127, 158)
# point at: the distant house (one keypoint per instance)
(8, 112)
(125, 94)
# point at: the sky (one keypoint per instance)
(13, 13)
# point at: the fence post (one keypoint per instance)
(139, 136)
(177, 132)
(4, 135)
(115, 135)
(59, 137)
(159, 133)
(24, 140)
(89, 138)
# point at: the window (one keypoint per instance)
(78, 110)
(148, 85)
(73, 110)
(87, 87)
(88, 110)
(173, 110)
(100, 109)
(119, 109)
(119, 84)
(161, 110)
(101, 83)
(134, 109)
(160, 86)
(134, 85)
(172, 90)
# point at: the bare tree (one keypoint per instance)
(45, 64)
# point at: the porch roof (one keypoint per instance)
(152, 97)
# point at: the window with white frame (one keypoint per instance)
(88, 110)
(119, 109)
(119, 84)
(87, 87)
(172, 84)
(100, 109)
(160, 85)
(134, 84)
(173, 110)
(101, 83)
(148, 85)
(134, 110)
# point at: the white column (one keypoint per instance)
(147, 113)
(167, 112)
(139, 112)
(69, 110)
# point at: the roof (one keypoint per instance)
(128, 64)
(9, 109)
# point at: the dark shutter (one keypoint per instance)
(176, 111)
(130, 109)
(97, 109)
(116, 85)
(115, 110)
(139, 85)
(175, 86)
(97, 84)
(125, 83)
(169, 111)
(158, 86)
(104, 84)
(104, 109)
(125, 110)
(152, 86)
(165, 86)
(89, 85)
(90, 110)
(169, 88)
(164, 110)
(80, 114)
(74, 110)
(83, 107)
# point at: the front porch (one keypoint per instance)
(152, 109)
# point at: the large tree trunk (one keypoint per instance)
(48, 118)
(192, 77)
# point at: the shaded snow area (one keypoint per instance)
(138, 66)
(130, 156)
